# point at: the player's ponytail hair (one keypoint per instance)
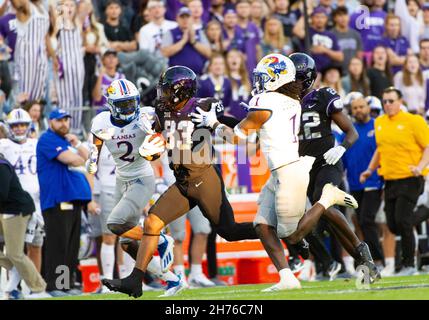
(291, 89)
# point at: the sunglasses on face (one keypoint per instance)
(388, 101)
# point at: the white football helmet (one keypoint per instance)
(374, 103)
(123, 100)
(272, 72)
(18, 116)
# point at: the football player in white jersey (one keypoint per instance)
(20, 151)
(123, 129)
(275, 112)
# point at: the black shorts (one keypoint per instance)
(321, 175)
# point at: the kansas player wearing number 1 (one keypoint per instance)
(198, 182)
(319, 108)
(275, 113)
(123, 129)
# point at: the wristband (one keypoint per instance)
(346, 144)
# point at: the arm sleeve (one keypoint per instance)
(5, 178)
(421, 131)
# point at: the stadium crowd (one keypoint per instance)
(65, 54)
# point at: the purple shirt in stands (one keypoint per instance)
(239, 95)
(8, 30)
(105, 83)
(188, 56)
(399, 45)
(237, 41)
(370, 28)
(207, 89)
(251, 41)
(326, 39)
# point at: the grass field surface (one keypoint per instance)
(394, 288)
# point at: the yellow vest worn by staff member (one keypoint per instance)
(401, 140)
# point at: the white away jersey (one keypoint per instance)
(105, 177)
(279, 135)
(124, 145)
(23, 159)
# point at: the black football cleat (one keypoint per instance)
(366, 260)
(126, 285)
(302, 248)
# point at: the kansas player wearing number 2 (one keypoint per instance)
(275, 113)
(123, 130)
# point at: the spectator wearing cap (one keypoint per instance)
(289, 18)
(401, 157)
(349, 40)
(411, 22)
(106, 75)
(356, 160)
(424, 54)
(151, 35)
(324, 44)
(63, 193)
(397, 46)
(120, 38)
(232, 35)
(185, 46)
(370, 27)
(250, 33)
(412, 83)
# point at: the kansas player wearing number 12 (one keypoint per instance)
(275, 112)
(123, 129)
(319, 108)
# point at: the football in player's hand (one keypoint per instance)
(158, 141)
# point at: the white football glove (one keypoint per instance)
(204, 118)
(333, 155)
(149, 148)
(91, 163)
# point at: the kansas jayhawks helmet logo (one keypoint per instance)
(275, 67)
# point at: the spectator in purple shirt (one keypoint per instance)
(289, 18)
(215, 82)
(240, 84)
(370, 25)
(8, 32)
(250, 32)
(424, 54)
(397, 46)
(324, 45)
(185, 46)
(233, 37)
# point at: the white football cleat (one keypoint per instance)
(200, 281)
(290, 285)
(333, 195)
(174, 287)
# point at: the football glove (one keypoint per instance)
(91, 163)
(204, 118)
(151, 147)
(333, 155)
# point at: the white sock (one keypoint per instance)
(107, 256)
(126, 268)
(349, 263)
(14, 279)
(326, 203)
(286, 274)
(196, 269)
(179, 269)
(390, 262)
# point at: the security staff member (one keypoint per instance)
(63, 193)
(16, 207)
(402, 154)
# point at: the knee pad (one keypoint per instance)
(153, 225)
